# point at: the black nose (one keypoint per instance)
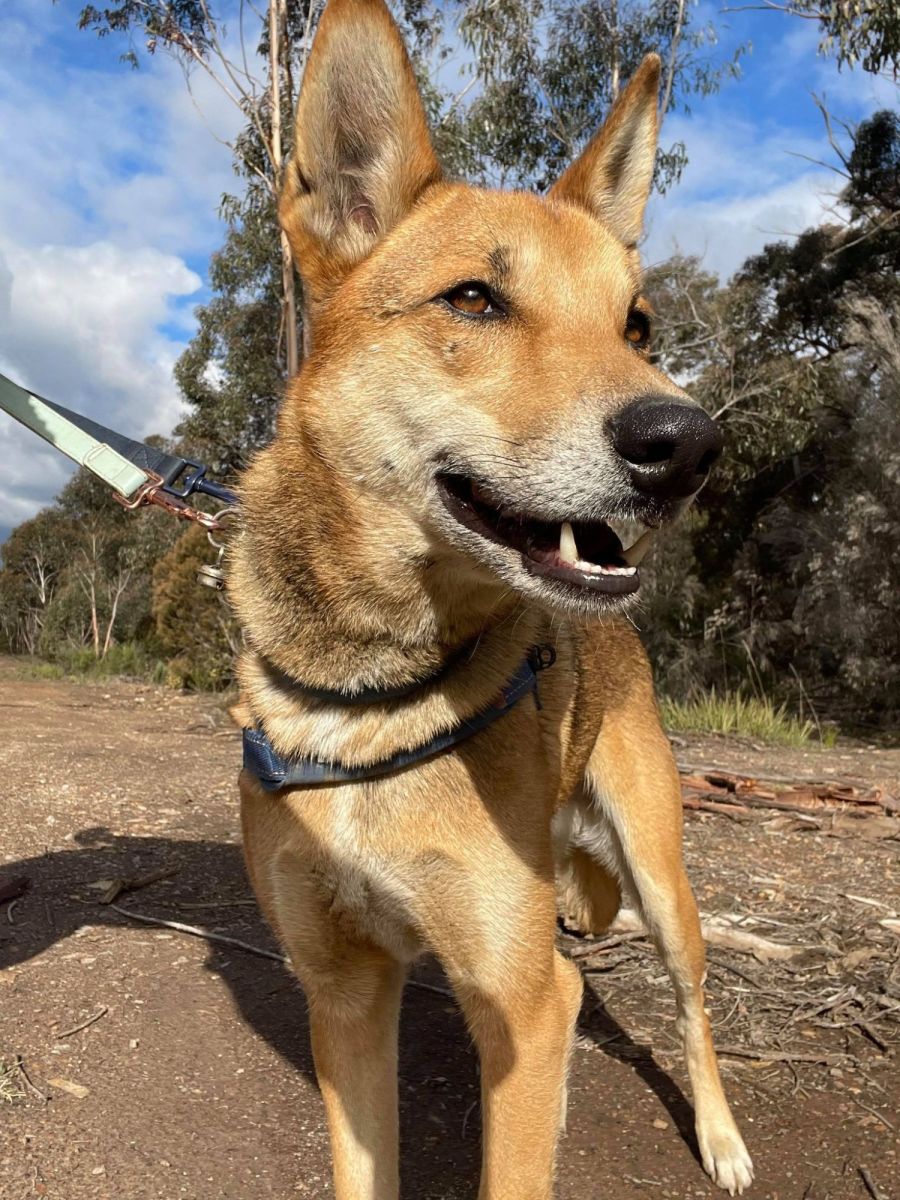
(669, 447)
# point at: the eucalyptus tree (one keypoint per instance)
(855, 32)
(543, 73)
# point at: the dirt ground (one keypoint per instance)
(196, 1079)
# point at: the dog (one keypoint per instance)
(472, 461)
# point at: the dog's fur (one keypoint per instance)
(350, 572)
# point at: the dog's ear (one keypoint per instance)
(613, 175)
(362, 154)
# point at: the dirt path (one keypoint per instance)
(197, 1076)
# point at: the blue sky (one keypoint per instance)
(111, 180)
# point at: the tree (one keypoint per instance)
(546, 71)
(196, 629)
(248, 342)
(193, 34)
(792, 567)
(33, 560)
(854, 31)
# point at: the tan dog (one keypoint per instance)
(470, 463)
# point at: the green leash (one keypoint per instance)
(101, 459)
(138, 474)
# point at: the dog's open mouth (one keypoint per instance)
(583, 554)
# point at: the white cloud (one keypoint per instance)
(725, 232)
(110, 186)
(81, 326)
(745, 184)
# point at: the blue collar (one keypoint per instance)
(275, 772)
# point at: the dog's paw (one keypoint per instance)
(725, 1159)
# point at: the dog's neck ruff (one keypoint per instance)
(275, 771)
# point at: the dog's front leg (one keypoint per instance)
(353, 1023)
(523, 1030)
(634, 782)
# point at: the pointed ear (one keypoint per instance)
(613, 175)
(362, 154)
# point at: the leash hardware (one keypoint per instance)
(212, 575)
(542, 656)
(154, 492)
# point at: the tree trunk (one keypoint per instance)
(673, 61)
(278, 46)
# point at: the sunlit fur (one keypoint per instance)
(350, 572)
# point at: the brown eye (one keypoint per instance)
(474, 299)
(637, 329)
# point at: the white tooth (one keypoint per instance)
(568, 551)
(627, 532)
(634, 554)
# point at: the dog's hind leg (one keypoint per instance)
(634, 784)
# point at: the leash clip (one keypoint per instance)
(212, 575)
(540, 657)
(154, 492)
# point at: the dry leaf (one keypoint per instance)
(74, 1089)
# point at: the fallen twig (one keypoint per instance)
(715, 784)
(27, 1080)
(84, 1024)
(875, 1113)
(867, 901)
(135, 883)
(871, 1186)
(732, 810)
(196, 931)
(713, 931)
(610, 943)
(788, 1056)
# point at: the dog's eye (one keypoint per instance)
(637, 329)
(472, 298)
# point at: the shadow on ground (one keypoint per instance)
(440, 1129)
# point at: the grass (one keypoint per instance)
(738, 713)
(10, 1091)
(128, 661)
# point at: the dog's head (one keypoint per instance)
(479, 360)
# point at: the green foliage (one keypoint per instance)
(162, 23)
(74, 579)
(791, 567)
(548, 70)
(233, 373)
(865, 32)
(194, 626)
(736, 713)
(131, 660)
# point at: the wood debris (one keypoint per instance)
(832, 807)
(118, 887)
(719, 930)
